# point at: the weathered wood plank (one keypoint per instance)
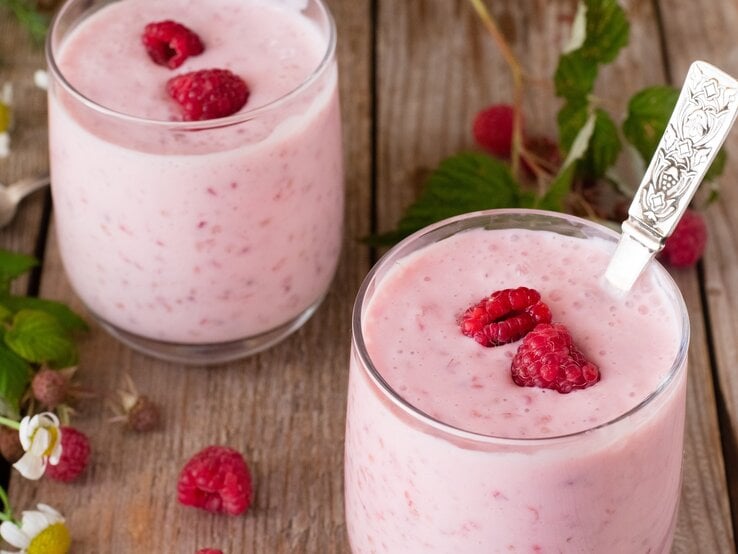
(284, 408)
(18, 61)
(437, 68)
(706, 30)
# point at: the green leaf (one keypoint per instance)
(13, 265)
(35, 23)
(604, 146)
(648, 114)
(575, 75)
(571, 118)
(718, 165)
(38, 337)
(463, 183)
(69, 320)
(607, 31)
(15, 374)
(555, 196)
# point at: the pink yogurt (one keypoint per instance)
(486, 469)
(200, 233)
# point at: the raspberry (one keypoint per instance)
(209, 551)
(170, 43)
(505, 316)
(208, 93)
(49, 387)
(75, 454)
(686, 245)
(547, 358)
(143, 416)
(493, 129)
(216, 479)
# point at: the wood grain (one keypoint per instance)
(19, 58)
(436, 69)
(708, 30)
(284, 408)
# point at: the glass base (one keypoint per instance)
(213, 353)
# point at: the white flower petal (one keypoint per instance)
(56, 454)
(53, 515)
(34, 522)
(41, 442)
(49, 419)
(13, 535)
(24, 432)
(30, 466)
(4, 145)
(9, 552)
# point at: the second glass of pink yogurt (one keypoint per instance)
(445, 453)
(197, 241)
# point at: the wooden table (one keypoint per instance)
(413, 75)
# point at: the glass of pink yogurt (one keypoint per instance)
(197, 241)
(445, 453)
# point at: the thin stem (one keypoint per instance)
(517, 77)
(13, 424)
(7, 513)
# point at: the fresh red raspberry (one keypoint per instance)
(170, 43)
(504, 316)
(75, 455)
(687, 243)
(216, 479)
(208, 93)
(547, 358)
(209, 551)
(493, 129)
(49, 387)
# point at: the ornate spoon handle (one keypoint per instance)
(702, 118)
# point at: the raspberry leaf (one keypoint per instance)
(13, 265)
(648, 114)
(69, 320)
(462, 183)
(38, 337)
(14, 379)
(604, 145)
(571, 119)
(607, 30)
(575, 76)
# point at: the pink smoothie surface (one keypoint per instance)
(414, 488)
(199, 236)
(412, 334)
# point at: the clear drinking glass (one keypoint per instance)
(416, 484)
(203, 241)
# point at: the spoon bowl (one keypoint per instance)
(12, 195)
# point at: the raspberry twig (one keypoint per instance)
(517, 76)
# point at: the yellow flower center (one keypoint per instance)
(54, 432)
(4, 117)
(54, 539)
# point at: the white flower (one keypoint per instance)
(6, 94)
(41, 79)
(41, 439)
(41, 531)
(4, 145)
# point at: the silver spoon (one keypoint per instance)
(12, 195)
(702, 119)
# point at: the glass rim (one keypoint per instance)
(234, 119)
(447, 430)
